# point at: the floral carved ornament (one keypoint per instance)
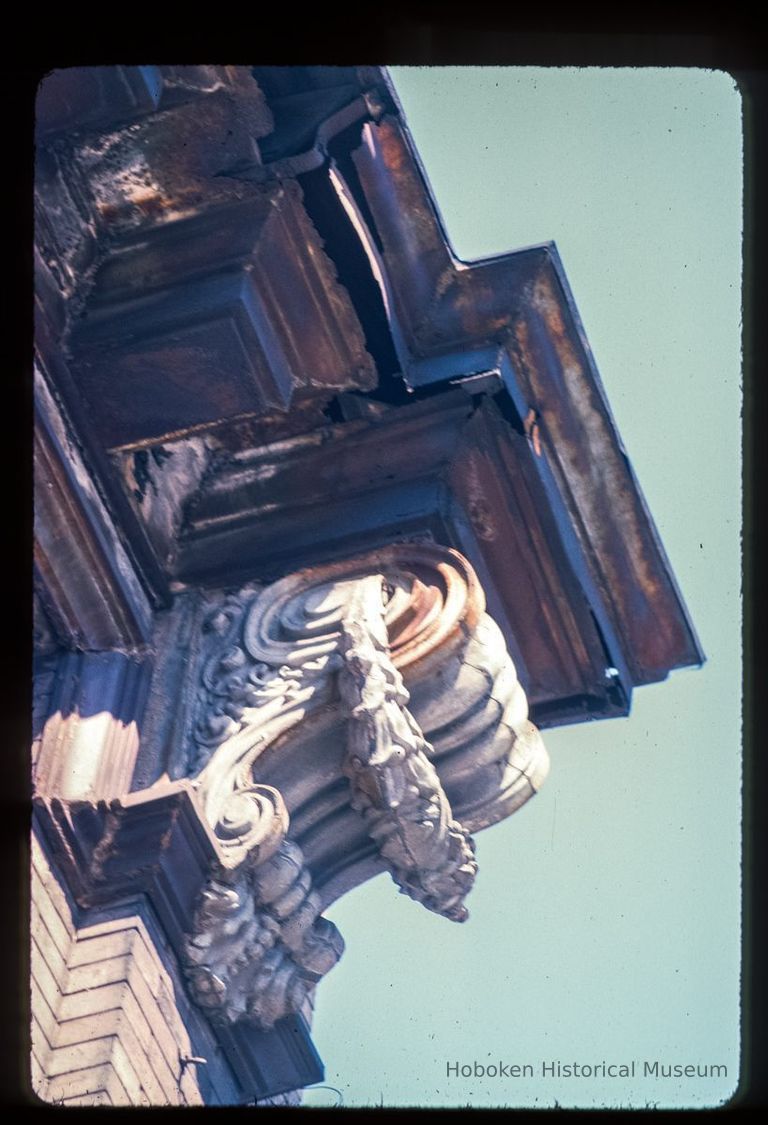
(341, 637)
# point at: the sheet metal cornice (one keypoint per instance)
(514, 314)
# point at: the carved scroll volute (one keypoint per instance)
(333, 635)
(281, 648)
(258, 945)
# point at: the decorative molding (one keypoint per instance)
(85, 578)
(449, 467)
(269, 334)
(600, 504)
(259, 946)
(89, 98)
(314, 641)
(166, 732)
(258, 352)
(232, 887)
(89, 723)
(394, 785)
(155, 847)
(513, 317)
(278, 650)
(158, 263)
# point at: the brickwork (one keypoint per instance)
(106, 1027)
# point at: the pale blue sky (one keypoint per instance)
(604, 924)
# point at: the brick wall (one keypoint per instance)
(111, 1023)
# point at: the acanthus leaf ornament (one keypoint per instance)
(394, 784)
(333, 640)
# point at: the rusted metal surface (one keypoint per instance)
(445, 467)
(413, 248)
(518, 306)
(88, 97)
(212, 311)
(202, 349)
(191, 295)
(268, 502)
(439, 302)
(347, 458)
(444, 604)
(83, 574)
(498, 492)
(601, 497)
(311, 313)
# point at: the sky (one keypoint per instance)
(604, 924)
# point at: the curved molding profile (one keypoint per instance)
(333, 644)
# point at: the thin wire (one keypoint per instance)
(338, 1104)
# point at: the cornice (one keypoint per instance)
(85, 577)
(448, 468)
(513, 316)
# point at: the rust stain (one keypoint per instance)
(543, 301)
(151, 202)
(498, 323)
(478, 509)
(425, 602)
(585, 445)
(391, 147)
(148, 203)
(446, 599)
(110, 211)
(546, 304)
(531, 427)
